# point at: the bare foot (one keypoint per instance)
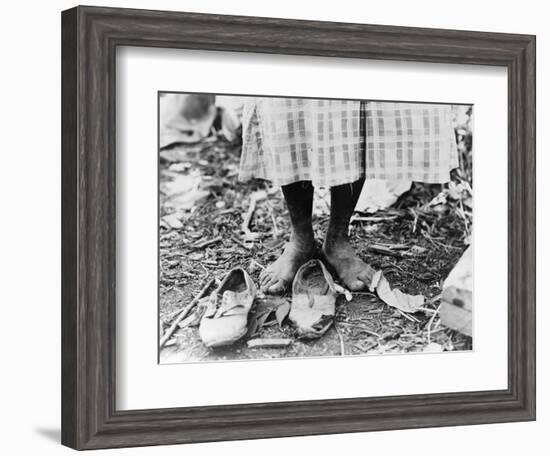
(279, 275)
(352, 270)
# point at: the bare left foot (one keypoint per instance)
(352, 270)
(278, 276)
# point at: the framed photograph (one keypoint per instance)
(280, 228)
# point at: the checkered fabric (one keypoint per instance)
(334, 142)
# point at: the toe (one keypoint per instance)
(356, 285)
(365, 276)
(268, 282)
(265, 277)
(277, 288)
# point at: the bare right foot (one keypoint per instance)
(352, 270)
(277, 277)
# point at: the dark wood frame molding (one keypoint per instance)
(90, 36)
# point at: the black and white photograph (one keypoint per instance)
(299, 227)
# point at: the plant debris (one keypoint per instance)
(269, 343)
(395, 297)
(414, 243)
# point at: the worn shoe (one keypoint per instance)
(226, 316)
(313, 300)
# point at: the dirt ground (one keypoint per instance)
(413, 242)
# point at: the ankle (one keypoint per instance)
(334, 244)
(304, 242)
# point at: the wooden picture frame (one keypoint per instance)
(90, 37)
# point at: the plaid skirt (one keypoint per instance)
(334, 142)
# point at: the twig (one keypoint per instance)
(434, 299)
(427, 236)
(187, 274)
(211, 262)
(171, 315)
(237, 241)
(248, 216)
(227, 211)
(184, 312)
(384, 250)
(254, 262)
(415, 221)
(431, 322)
(268, 343)
(396, 266)
(254, 198)
(462, 214)
(368, 331)
(202, 245)
(427, 310)
(276, 231)
(201, 264)
(408, 317)
(342, 351)
(374, 219)
(394, 246)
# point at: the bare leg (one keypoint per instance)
(353, 271)
(301, 247)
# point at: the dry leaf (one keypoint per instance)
(380, 194)
(172, 221)
(395, 298)
(261, 319)
(252, 327)
(281, 312)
